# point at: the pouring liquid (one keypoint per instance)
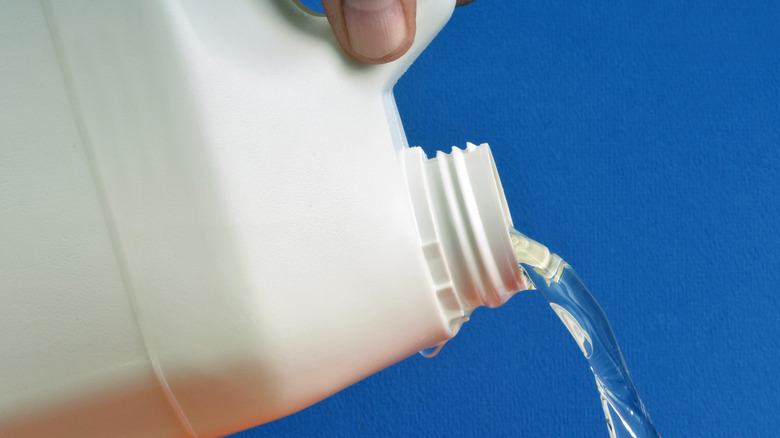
(625, 413)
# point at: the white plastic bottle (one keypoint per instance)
(210, 218)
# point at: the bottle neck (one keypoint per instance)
(463, 223)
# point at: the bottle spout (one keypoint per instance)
(463, 223)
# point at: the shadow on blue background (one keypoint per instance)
(642, 144)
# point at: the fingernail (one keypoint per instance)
(375, 27)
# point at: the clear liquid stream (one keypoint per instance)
(583, 317)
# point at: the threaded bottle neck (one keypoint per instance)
(463, 223)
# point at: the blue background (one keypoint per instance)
(642, 144)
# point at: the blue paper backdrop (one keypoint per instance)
(641, 143)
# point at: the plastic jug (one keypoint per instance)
(211, 218)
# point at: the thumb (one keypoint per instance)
(372, 31)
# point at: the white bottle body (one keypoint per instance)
(207, 219)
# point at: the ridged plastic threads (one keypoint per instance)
(463, 225)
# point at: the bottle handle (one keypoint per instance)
(432, 15)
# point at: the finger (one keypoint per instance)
(372, 31)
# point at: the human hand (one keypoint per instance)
(374, 31)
